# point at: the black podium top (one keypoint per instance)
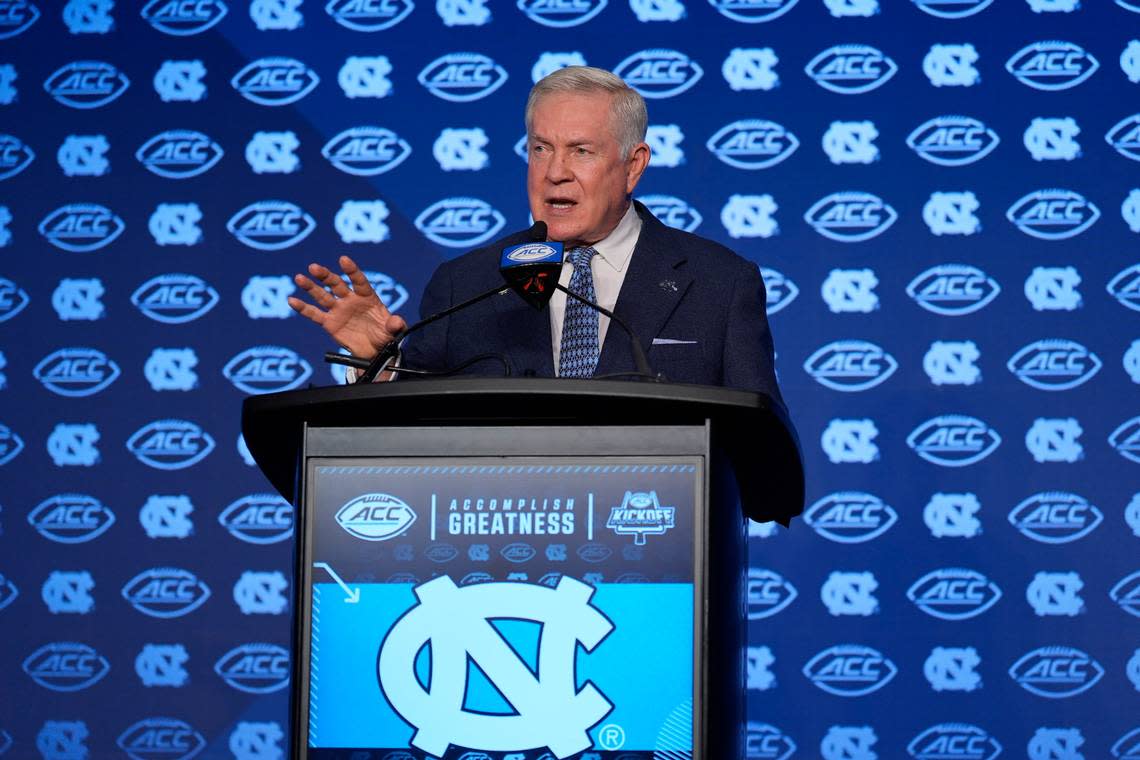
(750, 428)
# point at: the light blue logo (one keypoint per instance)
(1132, 669)
(850, 216)
(518, 552)
(850, 517)
(171, 369)
(68, 592)
(851, 142)
(266, 297)
(18, 15)
(369, 15)
(767, 593)
(271, 225)
(748, 69)
(952, 669)
(86, 84)
(954, 740)
(273, 153)
(850, 365)
(460, 222)
(850, 670)
(73, 445)
(951, 65)
(1061, 743)
(673, 211)
(561, 15)
(362, 221)
(954, 593)
(751, 12)
(1126, 439)
(170, 444)
(1124, 287)
(462, 77)
(179, 154)
(255, 668)
(76, 372)
(3, 377)
(65, 666)
(850, 441)
(15, 155)
(176, 224)
(267, 369)
(779, 289)
(1056, 672)
(10, 444)
(84, 156)
(1053, 288)
(167, 516)
(365, 77)
(366, 151)
(1126, 593)
(750, 216)
(659, 73)
(62, 739)
(664, 142)
(1130, 61)
(175, 298)
(256, 741)
(376, 517)
(549, 62)
(845, 593)
(461, 149)
(166, 592)
(183, 19)
(1055, 517)
(463, 12)
(276, 15)
(1053, 6)
(953, 515)
(850, 291)
(639, 515)
(851, 69)
(154, 738)
(71, 518)
(258, 593)
(952, 213)
(259, 518)
(763, 740)
(953, 440)
(1052, 65)
(81, 227)
(852, 8)
(1055, 440)
(443, 553)
(5, 239)
(952, 140)
(1127, 747)
(951, 362)
(1054, 364)
(760, 677)
(752, 144)
(1053, 139)
(1131, 361)
(848, 743)
(180, 81)
(1055, 594)
(8, 594)
(1125, 134)
(8, 90)
(275, 81)
(89, 16)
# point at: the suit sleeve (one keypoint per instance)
(427, 348)
(748, 352)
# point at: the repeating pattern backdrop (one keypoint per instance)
(944, 197)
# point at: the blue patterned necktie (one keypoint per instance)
(578, 355)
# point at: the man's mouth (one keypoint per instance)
(560, 204)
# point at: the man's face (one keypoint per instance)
(577, 180)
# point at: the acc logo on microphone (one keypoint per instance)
(462, 77)
(71, 518)
(86, 84)
(752, 144)
(851, 216)
(460, 222)
(531, 252)
(1053, 214)
(953, 440)
(659, 73)
(850, 670)
(561, 14)
(76, 372)
(66, 666)
(255, 668)
(1054, 364)
(366, 151)
(183, 19)
(851, 69)
(779, 290)
(275, 81)
(1126, 439)
(953, 290)
(850, 365)
(954, 593)
(761, 740)
(259, 518)
(166, 592)
(1056, 672)
(267, 369)
(366, 16)
(15, 155)
(179, 154)
(674, 212)
(175, 298)
(170, 444)
(850, 517)
(954, 740)
(1126, 593)
(768, 593)
(1055, 517)
(81, 227)
(13, 299)
(1124, 287)
(1124, 136)
(952, 140)
(753, 11)
(154, 738)
(271, 225)
(17, 16)
(1052, 65)
(376, 517)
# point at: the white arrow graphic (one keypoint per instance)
(353, 593)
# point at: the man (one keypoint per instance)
(698, 307)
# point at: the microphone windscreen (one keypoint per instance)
(537, 232)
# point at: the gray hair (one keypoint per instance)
(628, 114)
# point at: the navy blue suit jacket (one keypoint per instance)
(679, 287)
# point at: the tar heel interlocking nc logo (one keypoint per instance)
(1125, 134)
(170, 444)
(850, 365)
(171, 369)
(256, 741)
(953, 440)
(76, 372)
(751, 69)
(851, 142)
(952, 140)
(851, 69)
(1053, 288)
(366, 151)
(951, 362)
(850, 670)
(640, 515)
(166, 592)
(549, 62)
(266, 297)
(273, 153)
(1056, 672)
(953, 290)
(460, 222)
(179, 154)
(71, 518)
(271, 225)
(1055, 517)
(548, 709)
(561, 13)
(846, 593)
(676, 213)
(73, 445)
(1055, 440)
(175, 224)
(81, 227)
(89, 16)
(850, 441)
(167, 516)
(275, 81)
(84, 156)
(68, 593)
(952, 669)
(154, 738)
(750, 216)
(461, 149)
(848, 743)
(850, 517)
(851, 216)
(180, 81)
(66, 666)
(267, 369)
(752, 144)
(462, 77)
(1054, 364)
(1055, 594)
(954, 593)
(1052, 65)
(1053, 139)
(952, 213)
(369, 15)
(376, 517)
(86, 84)
(952, 515)
(954, 740)
(15, 156)
(182, 19)
(17, 16)
(951, 65)
(659, 73)
(276, 14)
(850, 291)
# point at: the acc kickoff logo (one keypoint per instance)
(1056, 672)
(953, 440)
(166, 592)
(960, 741)
(851, 216)
(175, 298)
(170, 444)
(640, 515)
(559, 13)
(366, 151)
(462, 77)
(81, 227)
(369, 15)
(659, 73)
(752, 144)
(76, 372)
(181, 18)
(954, 593)
(850, 670)
(271, 225)
(259, 518)
(953, 290)
(154, 738)
(267, 369)
(850, 517)
(255, 668)
(850, 365)
(1054, 364)
(179, 154)
(71, 518)
(86, 84)
(952, 140)
(1055, 517)
(275, 81)
(1052, 65)
(66, 666)
(851, 69)
(376, 517)
(460, 222)
(674, 212)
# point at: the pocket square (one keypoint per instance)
(672, 342)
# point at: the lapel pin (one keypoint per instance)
(667, 285)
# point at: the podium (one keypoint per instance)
(522, 569)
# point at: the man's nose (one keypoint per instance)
(557, 169)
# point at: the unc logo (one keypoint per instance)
(86, 84)
(952, 669)
(851, 69)
(271, 225)
(1053, 289)
(1132, 669)
(1126, 593)
(1054, 365)
(779, 290)
(954, 593)
(1130, 61)
(89, 16)
(71, 518)
(761, 740)
(166, 592)
(561, 13)
(366, 151)
(264, 297)
(167, 517)
(852, 8)
(15, 155)
(760, 659)
(275, 81)
(1132, 514)
(272, 153)
(1125, 134)
(256, 741)
(180, 81)
(850, 594)
(1055, 743)
(657, 10)
(767, 593)
(753, 11)
(1053, 214)
(951, 515)
(463, 13)
(952, 140)
(369, 15)
(1056, 672)
(1131, 361)
(1130, 210)
(362, 221)
(747, 216)
(81, 227)
(261, 593)
(1052, 65)
(665, 145)
(439, 715)
(170, 444)
(76, 372)
(953, 440)
(952, 363)
(267, 369)
(8, 90)
(951, 65)
(68, 593)
(171, 369)
(850, 217)
(462, 77)
(850, 290)
(10, 444)
(460, 222)
(461, 149)
(255, 668)
(179, 154)
(751, 69)
(659, 73)
(850, 441)
(1126, 439)
(162, 665)
(183, 19)
(18, 16)
(65, 666)
(73, 445)
(5, 239)
(1053, 139)
(851, 142)
(674, 212)
(1055, 517)
(1055, 594)
(365, 77)
(752, 144)
(176, 224)
(259, 519)
(952, 213)
(1055, 440)
(954, 739)
(848, 743)
(548, 63)
(850, 365)
(84, 156)
(154, 738)
(850, 670)
(276, 14)
(850, 517)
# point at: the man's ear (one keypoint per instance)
(635, 167)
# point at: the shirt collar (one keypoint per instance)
(616, 248)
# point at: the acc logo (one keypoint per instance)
(659, 73)
(850, 365)
(640, 515)
(768, 593)
(258, 741)
(954, 740)
(1054, 440)
(952, 8)
(179, 153)
(1126, 439)
(1053, 139)
(952, 669)
(850, 594)
(779, 290)
(259, 518)
(267, 369)
(15, 155)
(167, 516)
(461, 149)
(954, 593)
(664, 142)
(1055, 594)
(166, 592)
(851, 216)
(1127, 747)
(951, 65)
(266, 297)
(594, 553)
(174, 298)
(518, 552)
(275, 81)
(850, 441)
(18, 16)
(953, 290)
(84, 155)
(850, 290)
(1056, 672)
(752, 144)
(952, 140)
(271, 225)
(850, 517)
(762, 740)
(851, 69)
(171, 369)
(1053, 288)
(462, 77)
(66, 666)
(8, 594)
(952, 363)
(1052, 65)
(751, 69)
(376, 517)
(260, 593)
(180, 81)
(850, 670)
(750, 216)
(153, 738)
(276, 14)
(366, 151)
(86, 84)
(753, 11)
(1126, 593)
(81, 227)
(181, 18)
(848, 742)
(71, 518)
(1054, 364)
(952, 515)
(170, 444)
(953, 440)
(674, 212)
(561, 13)
(255, 668)
(369, 15)
(76, 372)
(1124, 287)
(72, 445)
(1125, 135)
(459, 222)
(68, 593)
(1055, 517)
(851, 142)
(951, 213)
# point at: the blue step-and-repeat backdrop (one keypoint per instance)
(944, 198)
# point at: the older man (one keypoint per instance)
(697, 306)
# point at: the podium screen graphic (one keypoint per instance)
(538, 610)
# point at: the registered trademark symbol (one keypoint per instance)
(611, 737)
